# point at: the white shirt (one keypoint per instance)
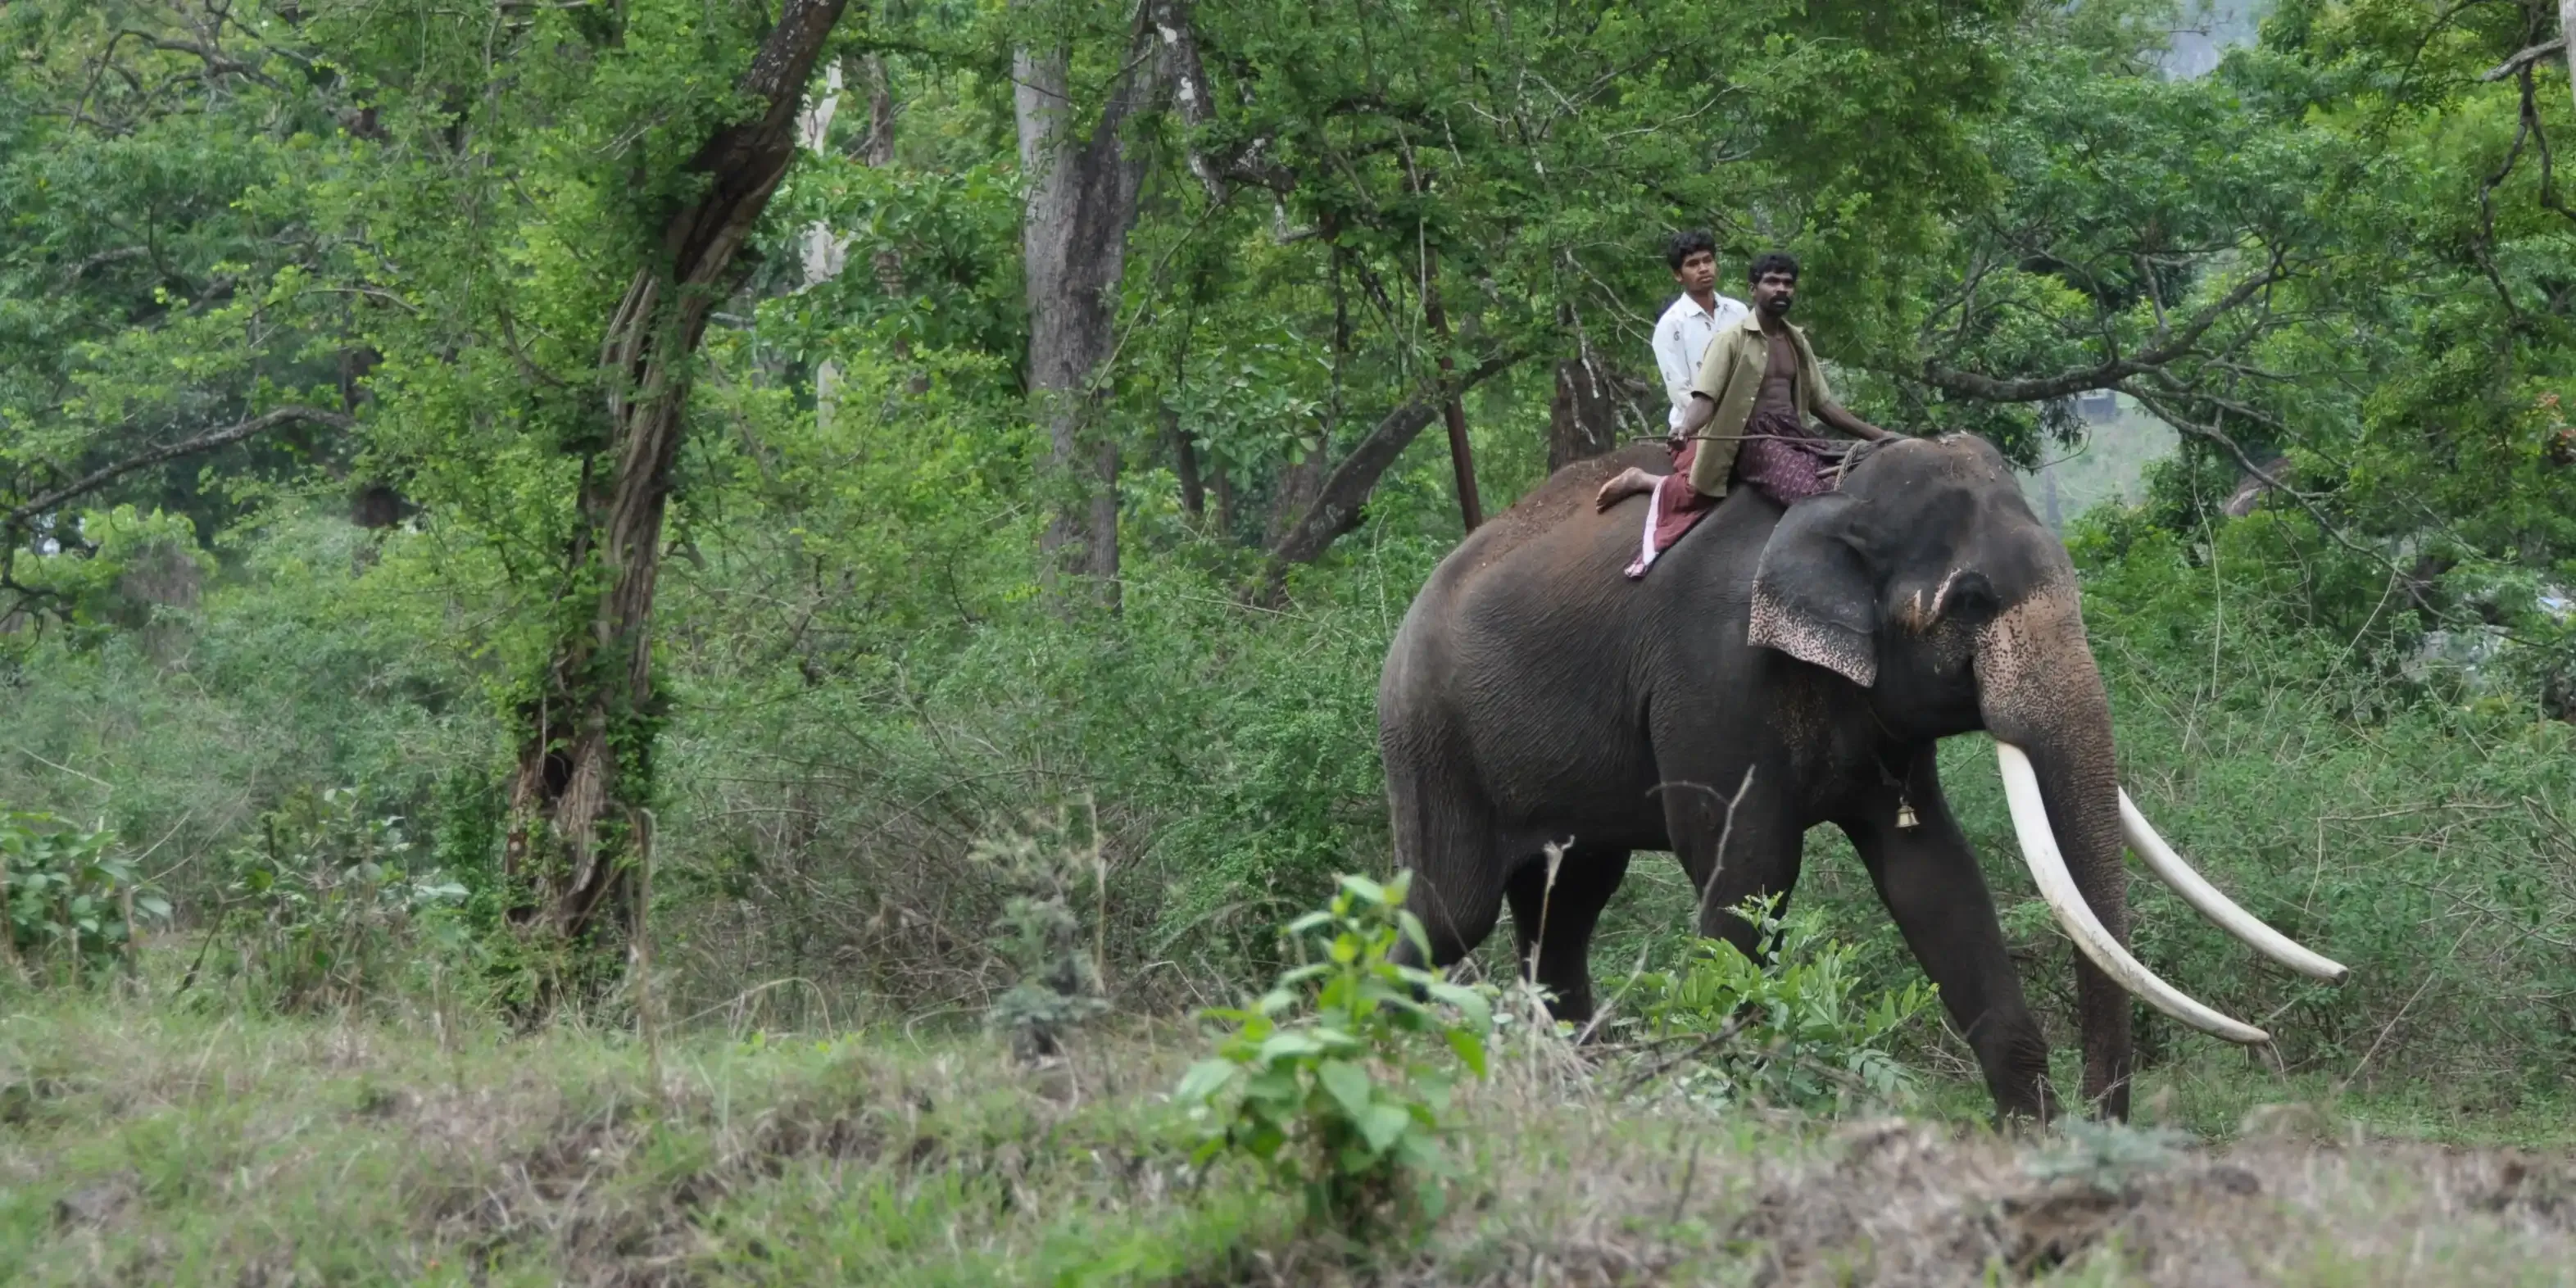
(1681, 336)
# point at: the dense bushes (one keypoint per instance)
(1792, 1029)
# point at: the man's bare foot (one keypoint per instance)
(1626, 483)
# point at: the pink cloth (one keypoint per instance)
(1672, 509)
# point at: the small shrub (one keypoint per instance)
(1791, 1030)
(68, 894)
(1042, 869)
(325, 909)
(1325, 1079)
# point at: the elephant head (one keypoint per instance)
(1927, 581)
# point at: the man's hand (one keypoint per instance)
(1626, 483)
(1695, 418)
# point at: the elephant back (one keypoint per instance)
(1567, 494)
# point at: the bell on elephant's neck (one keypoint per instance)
(1905, 820)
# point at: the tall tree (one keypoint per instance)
(585, 754)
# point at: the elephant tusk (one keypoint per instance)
(2057, 886)
(2199, 893)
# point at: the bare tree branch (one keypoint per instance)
(2526, 58)
(215, 59)
(205, 442)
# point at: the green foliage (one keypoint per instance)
(2399, 813)
(106, 571)
(2107, 1157)
(69, 899)
(327, 908)
(1324, 1079)
(1797, 1029)
(1289, 765)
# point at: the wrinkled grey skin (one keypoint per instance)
(1535, 695)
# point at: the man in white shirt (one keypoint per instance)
(1683, 332)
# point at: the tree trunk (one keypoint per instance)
(1293, 493)
(1221, 489)
(1185, 449)
(878, 148)
(585, 762)
(2567, 32)
(823, 252)
(1462, 459)
(1582, 420)
(1081, 206)
(1185, 463)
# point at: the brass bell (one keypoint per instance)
(1905, 820)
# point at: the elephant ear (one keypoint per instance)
(1813, 596)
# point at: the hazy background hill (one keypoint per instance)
(2108, 466)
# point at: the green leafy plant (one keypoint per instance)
(1326, 1079)
(69, 897)
(325, 907)
(1792, 1029)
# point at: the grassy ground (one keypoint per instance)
(147, 1143)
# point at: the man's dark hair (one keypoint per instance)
(1686, 244)
(1771, 261)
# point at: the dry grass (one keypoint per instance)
(144, 1145)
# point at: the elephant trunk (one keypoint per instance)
(2043, 700)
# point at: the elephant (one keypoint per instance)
(1774, 671)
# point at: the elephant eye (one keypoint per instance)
(1969, 597)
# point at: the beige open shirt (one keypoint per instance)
(1730, 374)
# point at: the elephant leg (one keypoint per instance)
(1761, 842)
(1552, 925)
(1928, 877)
